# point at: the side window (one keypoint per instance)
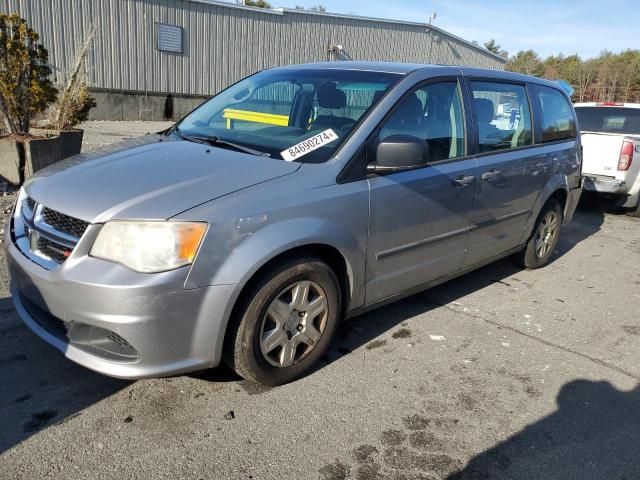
(558, 122)
(434, 114)
(502, 116)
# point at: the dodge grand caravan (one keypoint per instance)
(295, 198)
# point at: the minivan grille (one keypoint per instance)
(31, 203)
(46, 236)
(64, 223)
(53, 250)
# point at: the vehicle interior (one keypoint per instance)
(496, 130)
(430, 114)
(609, 119)
(278, 115)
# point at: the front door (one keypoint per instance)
(420, 219)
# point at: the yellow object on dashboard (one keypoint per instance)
(248, 116)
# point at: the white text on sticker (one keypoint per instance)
(308, 145)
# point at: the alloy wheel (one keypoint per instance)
(546, 234)
(293, 323)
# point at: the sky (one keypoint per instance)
(549, 27)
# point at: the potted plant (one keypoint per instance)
(73, 104)
(25, 91)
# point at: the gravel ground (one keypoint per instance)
(100, 133)
(501, 374)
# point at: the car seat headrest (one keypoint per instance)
(484, 110)
(330, 97)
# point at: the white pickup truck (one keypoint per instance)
(611, 151)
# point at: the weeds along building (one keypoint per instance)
(150, 58)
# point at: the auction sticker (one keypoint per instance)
(309, 145)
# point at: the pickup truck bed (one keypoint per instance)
(611, 158)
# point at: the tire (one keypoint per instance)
(272, 321)
(634, 212)
(544, 239)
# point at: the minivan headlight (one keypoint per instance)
(149, 247)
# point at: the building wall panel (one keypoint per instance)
(222, 42)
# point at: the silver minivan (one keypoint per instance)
(291, 200)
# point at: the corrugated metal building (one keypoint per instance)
(191, 49)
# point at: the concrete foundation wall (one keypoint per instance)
(119, 105)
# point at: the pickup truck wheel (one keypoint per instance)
(285, 322)
(634, 212)
(543, 241)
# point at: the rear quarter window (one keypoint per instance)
(557, 120)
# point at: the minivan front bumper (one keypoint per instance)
(119, 322)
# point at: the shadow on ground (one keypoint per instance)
(38, 386)
(363, 329)
(594, 434)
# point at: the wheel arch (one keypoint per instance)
(561, 195)
(557, 188)
(329, 254)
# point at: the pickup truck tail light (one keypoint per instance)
(626, 156)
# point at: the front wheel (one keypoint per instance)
(285, 322)
(543, 241)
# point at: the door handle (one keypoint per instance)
(491, 175)
(463, 181)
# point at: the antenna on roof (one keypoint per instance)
(432, 17)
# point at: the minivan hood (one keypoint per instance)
(151, 177)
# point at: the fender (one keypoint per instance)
(258, 247)
(264, 244)
(559, 181)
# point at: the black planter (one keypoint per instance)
(21, 159)
(70, 142)
(40, 152)
(11, 161)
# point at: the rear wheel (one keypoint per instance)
(634, 212)
(543, 241)
(285, 322)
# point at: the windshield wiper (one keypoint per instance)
(213, 140)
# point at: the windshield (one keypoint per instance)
(291, 114)
(609, 120)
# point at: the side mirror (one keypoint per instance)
(399, 152)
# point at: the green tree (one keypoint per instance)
(316, 8)
(257, 3)
(630, 85)
(610, 77)
(25, 87)
(527, 62)
(493, 46)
